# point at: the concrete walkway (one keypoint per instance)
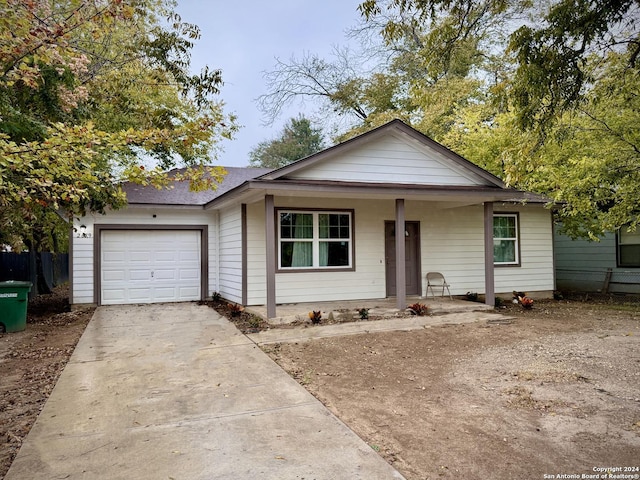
(175, 391)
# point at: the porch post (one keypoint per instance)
(401, 282)
(270, 242)
(489, 283)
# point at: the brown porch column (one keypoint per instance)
(401, 282)
(489, 283)
(270, 242)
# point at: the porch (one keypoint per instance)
(384, 317)
(382, 308)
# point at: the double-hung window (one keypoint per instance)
(628, 248)
(506, 248)
(315, 239)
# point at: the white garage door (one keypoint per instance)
(149, 266)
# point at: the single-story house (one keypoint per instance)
(611, 265)
(323, 228)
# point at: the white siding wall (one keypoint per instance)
(231, 253)
(390, 160)
(82, 270)
(451, 242)
(368, 281)
(256, 255)
(536, 272)
(82, 267)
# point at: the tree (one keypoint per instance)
(574, 86)
(87, 88)
(541, 94)
(589, 162)
(552, 75)
(297, 140)
(402, 78)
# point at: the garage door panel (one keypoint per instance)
(165, 274)
(114, 296)
(139, 255)
(166, 260)
(192, 274)
(189, 256)
(113, 275)
(149, 266)
(139, 275)
(194, 293)
(138, 295)
(165, 294)
(115, 257)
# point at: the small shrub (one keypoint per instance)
(235, 310)
(254, 321)
(498, 302)
(364, 313)
(471, 296)
(419, 309)
(216, 296)
(315, 316)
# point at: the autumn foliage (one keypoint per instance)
(90, 92)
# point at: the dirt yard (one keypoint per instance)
(554, 392)
(31, 362)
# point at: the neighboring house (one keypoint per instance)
(322, 229)
(611, 265)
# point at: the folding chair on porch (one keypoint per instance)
(436, 279)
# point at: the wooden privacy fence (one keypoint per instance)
(23, 266)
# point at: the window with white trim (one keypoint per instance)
(628, 248)
(315, 239)
(506, 248)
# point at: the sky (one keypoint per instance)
(243, 38)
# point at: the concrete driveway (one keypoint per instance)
(174, 391)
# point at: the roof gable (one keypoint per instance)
(394, 153)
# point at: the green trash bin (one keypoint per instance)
(13, 305)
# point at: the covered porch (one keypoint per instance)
(398, 300)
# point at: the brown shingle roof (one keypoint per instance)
(180, 193)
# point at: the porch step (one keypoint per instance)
(310, 332)
(335, 313)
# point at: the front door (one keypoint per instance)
(412, 257)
